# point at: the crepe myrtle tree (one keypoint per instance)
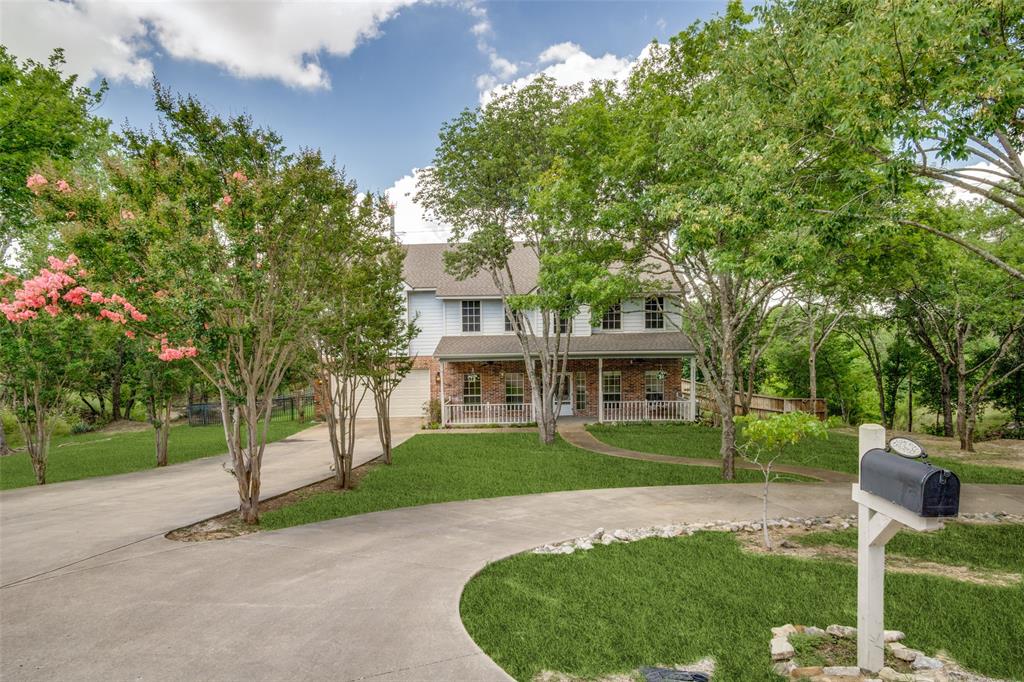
(763, 441)
(44, 341)
(110, 217)
(227, 214)
(357, 322)
(388, 336)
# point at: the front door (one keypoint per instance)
(565, 400)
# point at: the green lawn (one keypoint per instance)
(446, 467)
(837, 453)
(665, 601)
(996, 547)
(102, 454)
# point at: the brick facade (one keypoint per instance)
(492, 379)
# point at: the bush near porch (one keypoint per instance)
(837, 453)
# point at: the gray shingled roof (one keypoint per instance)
(424, 269)
(612, 344)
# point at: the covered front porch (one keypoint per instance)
(602, 389)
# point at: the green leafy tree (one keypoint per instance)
(45, 118)
(764, 440)
(499, 178)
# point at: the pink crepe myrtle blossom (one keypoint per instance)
(63, 186)
(127, 215)
(129, 333)
(224, 202)
(35, 183)
(239, 176)
(7, 279)
(112, 316)
(169, 353)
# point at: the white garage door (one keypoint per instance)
(407, 400)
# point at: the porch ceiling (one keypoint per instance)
(647, 344)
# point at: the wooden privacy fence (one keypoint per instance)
(762, 405)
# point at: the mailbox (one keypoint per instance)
(922, 488)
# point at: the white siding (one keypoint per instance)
(428, 308)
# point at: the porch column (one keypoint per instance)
(693, 388)
(444, 412)
(600, 389)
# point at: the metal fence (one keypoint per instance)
(297, 407)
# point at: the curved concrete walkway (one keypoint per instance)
(60, 525)
(575, 432)
(374, 596)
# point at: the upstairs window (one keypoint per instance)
(612, 317)
(611, 387)
(654, 385)
(471, 316)
(471, 389)
(654, 313)
(564, 324)
(514, 388)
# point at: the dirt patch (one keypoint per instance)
(1003, 452)
(227, 525)
(783, 544)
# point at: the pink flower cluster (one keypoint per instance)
(239, 176)
(169, 353)
(35, 183)
(127, 215)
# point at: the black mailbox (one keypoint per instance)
(917, 485)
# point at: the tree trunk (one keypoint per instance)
(383, 405)
(115, 383)
(910, 400)
(961, 389)
(946, 395)
(162, 429)
(812, 368)
(5, 449)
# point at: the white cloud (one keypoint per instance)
(567, 64)
(270, 39)
(411, 222)
(985, 170)
(559, 53)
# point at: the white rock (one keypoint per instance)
(565, 549)
(923, 662)
(597, 534)
(906, 654)
(887, 674)
(607, 539)
(781, 649)
(814, 632)
(623, 535)
(783, 668)
(841, 631)
(783, 630)
(842, 671)
(584, 544)
(893, 636)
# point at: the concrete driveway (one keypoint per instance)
(374, 596)
(62, 525)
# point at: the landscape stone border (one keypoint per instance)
(925, 668)
(605, 537)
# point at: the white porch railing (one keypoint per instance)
(647, 411)
(488, 413)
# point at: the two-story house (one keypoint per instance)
(626, 368)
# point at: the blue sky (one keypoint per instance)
(369, 84)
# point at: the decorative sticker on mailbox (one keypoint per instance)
(905, 447)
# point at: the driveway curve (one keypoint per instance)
(366, 597)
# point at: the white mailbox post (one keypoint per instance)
(878, 520)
